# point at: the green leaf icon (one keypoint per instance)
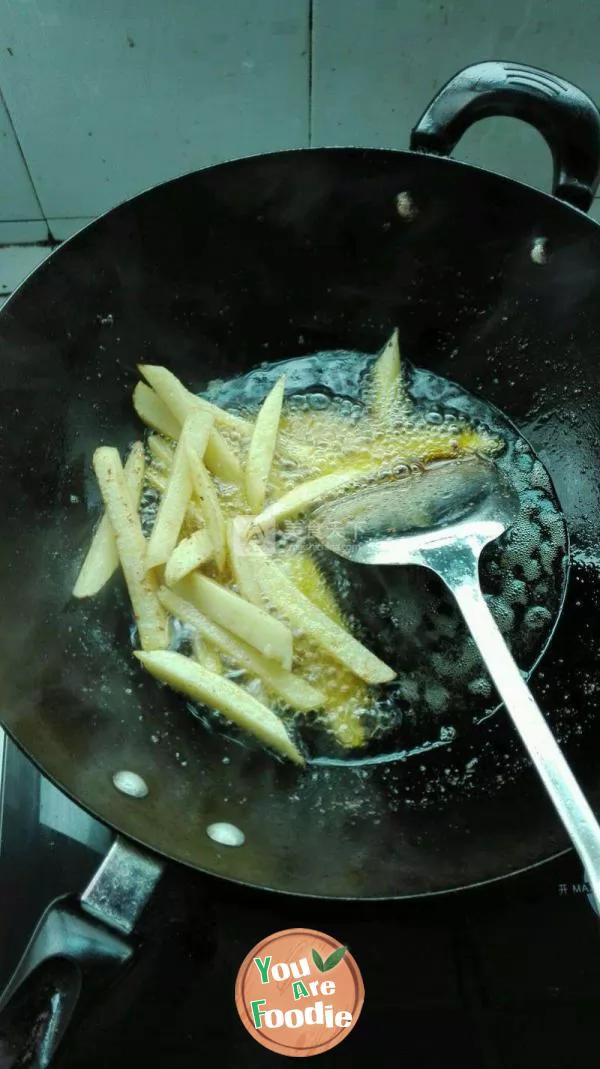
(334, 959)
(318, 960)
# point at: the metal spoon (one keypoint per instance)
(442, 519)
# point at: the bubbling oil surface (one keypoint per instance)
(405, 615)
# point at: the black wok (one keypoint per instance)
(493, 285)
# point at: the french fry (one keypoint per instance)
(201, 685)
(196, 432)
(151, 618)
(294, 690)
(157, 480)
(178, 491)
(262, 446)
(221, 459)
(171, 511)
(302, 614)
(191, 552)
(219, 456)
(255, 626)
(238, 533)
(154, 412)
(307, 494)
(181, 402)
(203, 488)
(303, 571)
(162, 452)
(102, 558)
(347, 696)
(387, 386)
(206, 655)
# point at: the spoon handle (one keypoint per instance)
(557, 777)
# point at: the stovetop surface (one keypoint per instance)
(501, 977)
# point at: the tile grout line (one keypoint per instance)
(311, 4)
(25, 163)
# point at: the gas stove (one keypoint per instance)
(506, 975)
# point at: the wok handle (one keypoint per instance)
(70, 958)
(78, 949)
(563, 114)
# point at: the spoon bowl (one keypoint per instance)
(392, 522)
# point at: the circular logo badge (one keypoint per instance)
(299, 992)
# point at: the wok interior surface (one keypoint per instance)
(260, 260)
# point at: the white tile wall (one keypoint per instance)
(22, 231)
(18, 200)
(17, 262)
(61, 229)
(113, 97)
